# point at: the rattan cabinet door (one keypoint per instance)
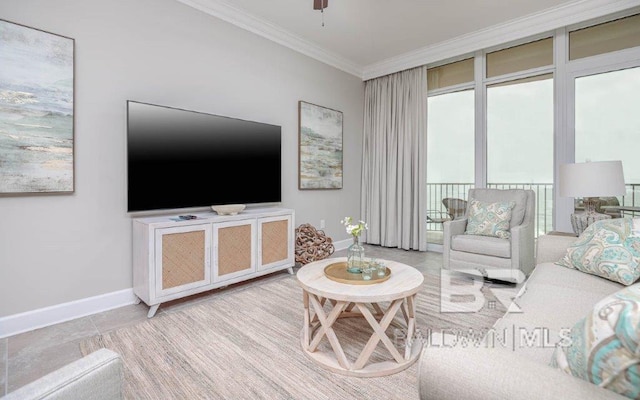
(275, 242)
(182, 258)
(234, 245)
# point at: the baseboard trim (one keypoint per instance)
(342, 244)
(42, 317)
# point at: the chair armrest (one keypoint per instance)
(97, 376)
(455, 227)
(551, 248)
(449, 230)
(479, 373)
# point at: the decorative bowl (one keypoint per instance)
(228, 209)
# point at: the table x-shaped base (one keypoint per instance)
(319, 324)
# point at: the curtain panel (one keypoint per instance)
(394, 160)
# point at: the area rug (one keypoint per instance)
(245, 344)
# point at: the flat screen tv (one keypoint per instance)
(179, 159)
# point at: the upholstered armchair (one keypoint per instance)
(96, 376)
(490, 254)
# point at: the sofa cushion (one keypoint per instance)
(489, 219)
(523, 339)
(604, 346)
(519, 196)
(569, 293)
(607, 248)
(569, 304)
(487, 245)
(560, 278)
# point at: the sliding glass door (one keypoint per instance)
(604, 76)
(450, 142)
(520, 141)
(450, 156)
(607, 125)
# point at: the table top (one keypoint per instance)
(403, 282)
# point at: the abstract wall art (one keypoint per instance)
(36, 110)
(320, 151)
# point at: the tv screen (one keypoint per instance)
(178, 158)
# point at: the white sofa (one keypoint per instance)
(96, 376)
(553, 298)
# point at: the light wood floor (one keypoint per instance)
(29, 356)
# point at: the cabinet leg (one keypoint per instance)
(152, 310)
(137, 300)
(290, 269)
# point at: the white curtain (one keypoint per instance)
(394, 160)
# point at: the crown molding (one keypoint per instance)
(545, 21)
(226, 12)
(531, 25)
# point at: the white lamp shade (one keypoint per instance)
(592, 179)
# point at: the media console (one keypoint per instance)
(175, 258)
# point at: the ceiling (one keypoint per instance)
(358, 34)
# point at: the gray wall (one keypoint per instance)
(60, 248)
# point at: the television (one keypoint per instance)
(179, 159)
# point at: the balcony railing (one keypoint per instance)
(631, 199)
(544, 200)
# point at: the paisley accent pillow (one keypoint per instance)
(489, 219)
(608, 248)
(604, 346)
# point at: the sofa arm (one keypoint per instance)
(479, 373)
(97, 376)
(551, 248)
(523, 248)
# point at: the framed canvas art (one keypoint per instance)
(36, 110)
(320, 147)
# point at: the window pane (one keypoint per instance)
(450, 154)
(607, 123)
(616, 35)
(450, 74)
(520, 58)
(520, 141)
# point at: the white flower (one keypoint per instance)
(354, 230)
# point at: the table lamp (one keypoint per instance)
(590, 180)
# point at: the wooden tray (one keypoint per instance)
(338, 272)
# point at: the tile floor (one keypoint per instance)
(28, 356)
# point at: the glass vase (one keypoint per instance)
(355, 256)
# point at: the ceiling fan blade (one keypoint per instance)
(320, 4)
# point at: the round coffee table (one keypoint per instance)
(352, 300)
